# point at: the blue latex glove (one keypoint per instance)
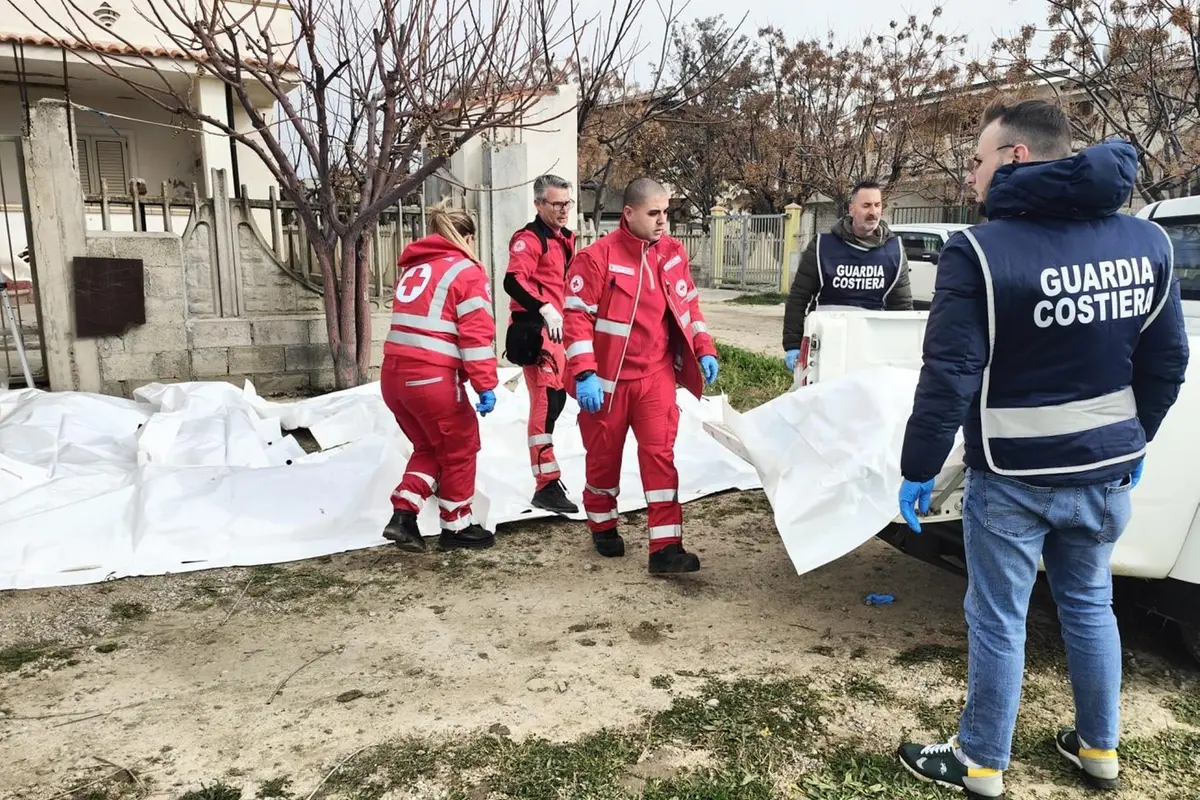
(589, 394)
(790, 359)
(487, 402)
(1136, 475)
(913, 494)
(708, 365)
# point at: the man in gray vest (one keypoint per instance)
(1056, 340)
(858, 264)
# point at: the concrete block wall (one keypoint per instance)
(279, 353)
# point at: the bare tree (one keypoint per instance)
(857, 101)
(945, 131)
(700, 147)
(1120, 69)
(614, 108)
(370, 99)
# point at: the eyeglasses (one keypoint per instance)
(977, 162)
(565, 205)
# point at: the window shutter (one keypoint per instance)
(84, 159)
(110, 165)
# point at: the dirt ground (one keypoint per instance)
(168, 684)
(756, 328)
(539, 670)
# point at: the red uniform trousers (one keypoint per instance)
(547, 398)
(433, 410)
(648, 406)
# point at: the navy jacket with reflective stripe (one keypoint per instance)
(1056, 336)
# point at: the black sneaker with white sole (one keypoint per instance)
(1100, 768)
(940, 764)
(553, 498)
(402, 531)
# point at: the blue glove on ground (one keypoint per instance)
(487, 402)
(913, 494)
(1136, 475)
(790, 359)
(708, 365)
(589, 394)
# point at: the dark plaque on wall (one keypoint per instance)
(110, 295)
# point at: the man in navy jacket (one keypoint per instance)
(1056, 340)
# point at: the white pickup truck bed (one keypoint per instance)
(1162, 542)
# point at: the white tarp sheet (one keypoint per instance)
(200, 475)
(828, 456)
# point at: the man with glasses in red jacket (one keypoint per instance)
(633, 331)
(538, 255)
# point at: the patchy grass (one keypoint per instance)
(1172, 753)
(1185, 705)
(129, 612)
(15, 656)
(748, 727)
(710, 785)
(213, 791)
(953, 660)
(662, 681)
(940, 718)
(864, 687)
(749, 379)
(275, 789)
(853, 773)
(283, 584)
(759, 299)
(745, 722)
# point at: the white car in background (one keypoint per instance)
(923, 244)
(1180, 218)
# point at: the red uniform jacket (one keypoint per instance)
(535, 278)
(442, 312)
(604, 287)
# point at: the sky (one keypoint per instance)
(982, 21)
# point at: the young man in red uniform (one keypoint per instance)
(633, 330)
(538, 255)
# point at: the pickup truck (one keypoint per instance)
(1158, 557)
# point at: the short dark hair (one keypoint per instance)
(864, 185)
(1041, 126)
(640, 190)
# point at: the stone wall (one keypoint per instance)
(221, 302)
(280, 353)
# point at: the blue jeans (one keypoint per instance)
(1007, 525)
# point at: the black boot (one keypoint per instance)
(474, 537)
(609, 543)
(553, 498)
(403, 532)
(673, 559)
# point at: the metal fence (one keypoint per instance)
(276, 222)
(19, 266)
(925, 215)
(751, 254)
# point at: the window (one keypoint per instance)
(1185, 237)
(103, 158)
(918, 245)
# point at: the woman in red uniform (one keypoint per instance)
(442, 336)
